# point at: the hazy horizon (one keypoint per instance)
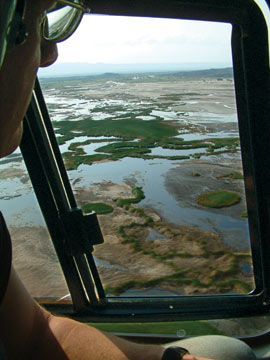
(84, 68)
(132, 44)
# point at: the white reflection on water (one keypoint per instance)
(199, 136)
(166, 115)
(146, 118)
(150, 174)
(106, 264)
(203, 117)
(91, 148)
(78, 139)
(175, 152)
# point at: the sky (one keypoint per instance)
(126, 40)
(109, 39)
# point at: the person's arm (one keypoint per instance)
(30, 332)
(83, 342)
(19, 315)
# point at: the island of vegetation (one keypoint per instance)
(218, 199)
(99, 208)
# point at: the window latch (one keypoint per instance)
(81, 232)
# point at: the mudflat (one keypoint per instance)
(143, 251)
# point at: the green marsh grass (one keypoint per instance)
(218, 199)
(99, 208)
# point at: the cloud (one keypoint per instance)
(130, 39)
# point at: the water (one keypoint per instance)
(202, 117)
(199, 136)
(153, 235)
(173, 152)
(146, 118)
(78, 139)
(234, 231)
(20, 206)
(17, 195)
(166, 115)
(108, 265)
(89, 149)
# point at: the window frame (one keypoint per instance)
(250, 51)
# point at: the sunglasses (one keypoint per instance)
(62, 20)
(58, 24)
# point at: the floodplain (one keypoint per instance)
(172, 138)
(140, 149)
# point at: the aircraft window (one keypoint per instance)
(34, 256)
(152, 148)
(156, 153)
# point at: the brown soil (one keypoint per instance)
(33, 253)
(185, 187)
(201, 255)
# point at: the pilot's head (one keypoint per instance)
(29, 31)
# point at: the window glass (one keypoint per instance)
(235, 327)
(153, 148)
(34, 257)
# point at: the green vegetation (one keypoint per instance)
(99, 208)
(234, 175)
(127, 127)
(133, 137)
(190, 328)
(218, 199)
(133, 235)
(244, 214)
(12, 158)
(174, 279)
(139, 195)
(73, 161)
(117, 150)
(179, 280)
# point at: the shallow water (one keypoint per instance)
(78, 139)
(199, 136)
(202, 117)
(108, 265)
(153, 235)
(166, 115)
(91, 148)
(150, 174)
(176, 152)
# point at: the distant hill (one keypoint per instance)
(216, 73)
(166, 76)
(84, 69)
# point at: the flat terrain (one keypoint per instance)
(193, 117)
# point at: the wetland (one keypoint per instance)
(142, 148)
